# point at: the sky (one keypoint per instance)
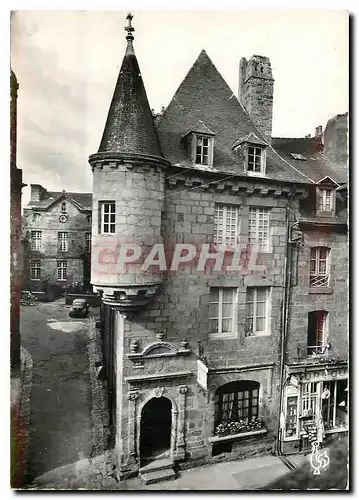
(67, 64)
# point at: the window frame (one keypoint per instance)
(196, 138)
(321, 331)
(322, 195)
(109, 213)
(63, 242)
(253, 332)
(36, 242)
(263, 156)
(220, 235)
(317, 277)
(61, 268)
(255, 240)
(37, 268)
(220, 318)
(234, 389)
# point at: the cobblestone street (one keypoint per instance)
(60, 420)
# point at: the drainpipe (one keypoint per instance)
(284, 321)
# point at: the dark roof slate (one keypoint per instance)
(130, 125)
(82, 200)
(316, 166)
(204, 95)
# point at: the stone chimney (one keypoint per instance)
(318, 131)
(37, 192)
(336, 139)
(256, 87)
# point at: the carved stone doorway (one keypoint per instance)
(156, 425)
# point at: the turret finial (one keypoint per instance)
(129, 28)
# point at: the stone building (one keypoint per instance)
(58, 226)
(197, 354)
(16, 236)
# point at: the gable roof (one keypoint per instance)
(204, 95)
(316, 166)
(83, 201)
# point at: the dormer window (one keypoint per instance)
(252, 152)
(254, 163)
(199, 142)
(326, 195)
(202, 150)
(325, 200)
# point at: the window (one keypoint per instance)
(319, 267)
(202, 150)
(291, 424)
(36, 240)
(88, 242)
(258, 227)
(235, 401)
(298, 156)
(226, 224)
(63, 207)
(62, 270)
(222, 307)
(335, 404)
(325, 200)
(257, 311)
(108, 217)
(88, 219)
(36, 217)
(63, 241)
(35, 270)
(317, 332)
(254, 159)
(310, 398)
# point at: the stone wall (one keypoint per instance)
(333, 299)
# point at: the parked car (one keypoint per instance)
(79, 309)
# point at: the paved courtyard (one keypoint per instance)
(60, 419)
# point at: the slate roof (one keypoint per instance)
(82, 200)
(130, 125)
(204, 95)
(316, 166)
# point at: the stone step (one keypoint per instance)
(164, 463)
(157, 476)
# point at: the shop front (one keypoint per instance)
(315, 405)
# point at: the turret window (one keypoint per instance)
(108, 217)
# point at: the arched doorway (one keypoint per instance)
(156, 424)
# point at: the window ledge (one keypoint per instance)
(234, 437)
(255, 335)
(321, 289)
(339, 429)
(222, 336)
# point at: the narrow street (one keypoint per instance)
(60, 419)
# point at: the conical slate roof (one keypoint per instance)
(130, 126)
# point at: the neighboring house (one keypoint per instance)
(191, 354)
(58, 239)
(316, 363)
